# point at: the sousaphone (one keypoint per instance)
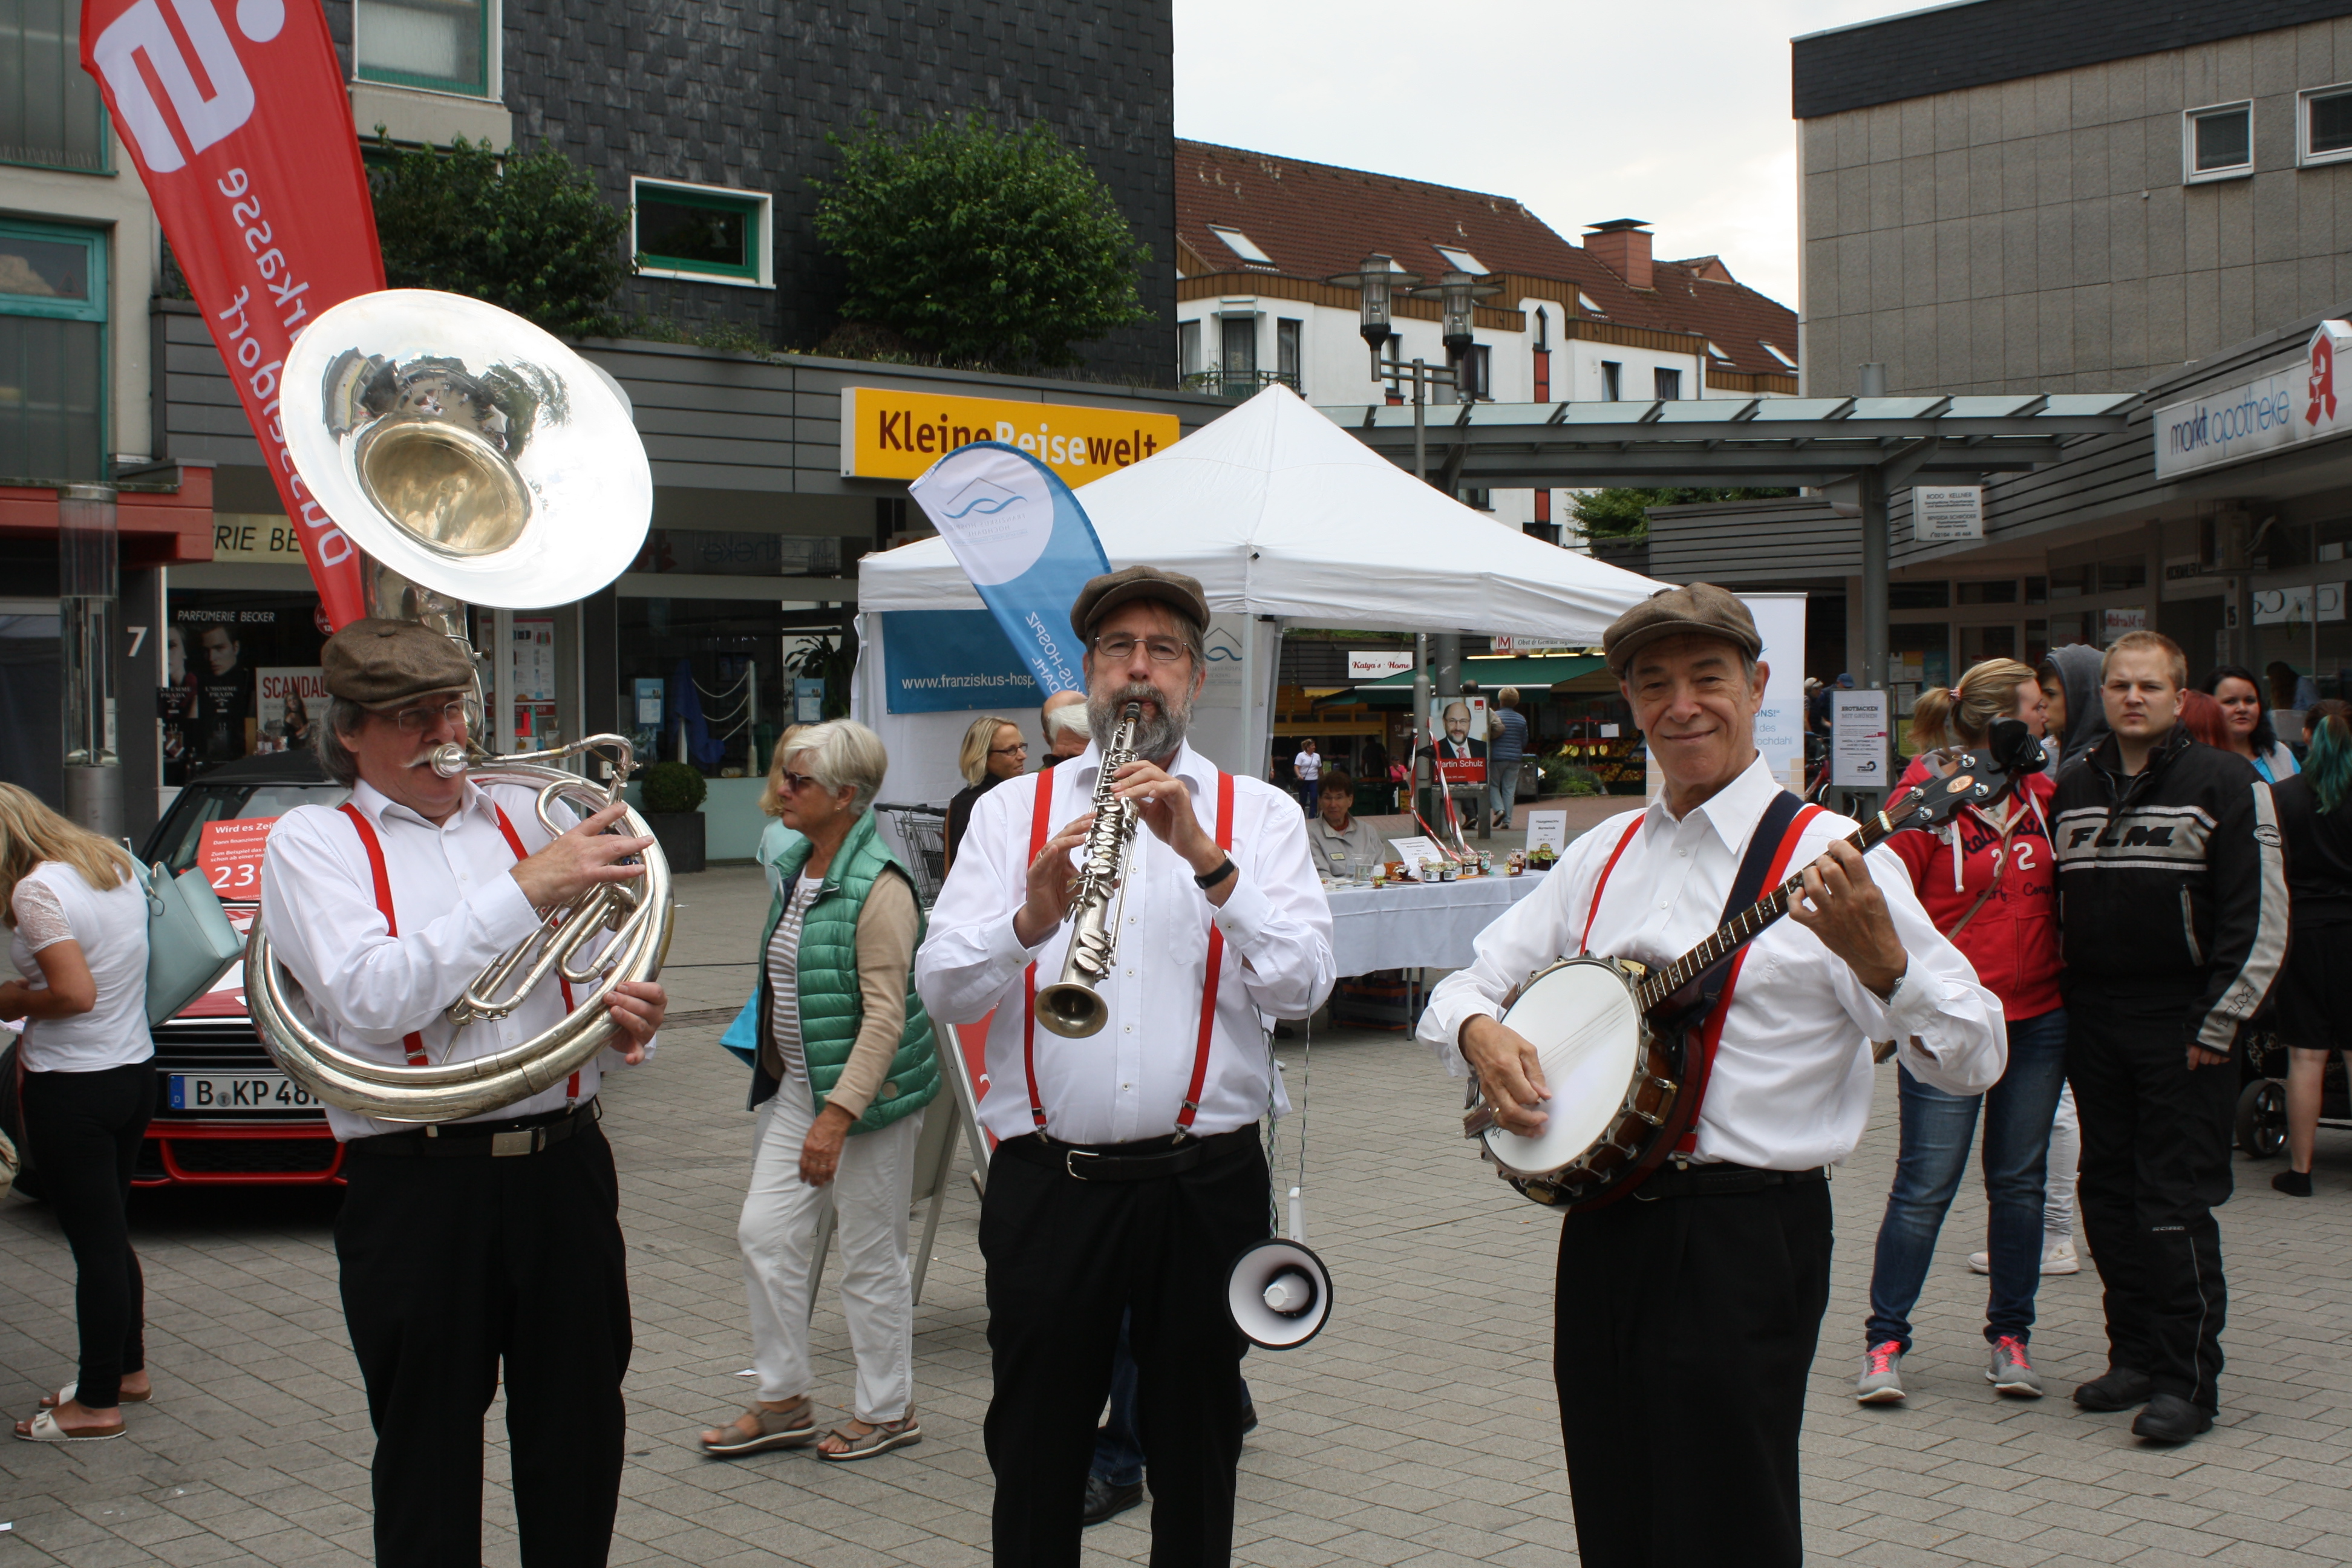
(473, 458)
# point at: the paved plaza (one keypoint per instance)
(1419, 1429)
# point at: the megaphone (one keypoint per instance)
(1280, 1293)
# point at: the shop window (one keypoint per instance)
(2324, 124)
(1917, 655)
(1934, 596)
(2122, 575)
(2217, 143)
(2000, 591)
(49, 110)
(707, 674)
(702, 232)
(443, 45)
(715, 552)
(52, 353)
(241, 677)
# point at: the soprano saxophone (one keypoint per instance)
(1073, 1006)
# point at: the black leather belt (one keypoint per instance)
(481, 1140)
(1719, 1179)
(1146, 1160)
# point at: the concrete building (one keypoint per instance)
(2081, 195)
(707, 129)
(1258, 237)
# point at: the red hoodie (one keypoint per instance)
(2013, 940)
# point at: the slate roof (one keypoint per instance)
(1316, 221)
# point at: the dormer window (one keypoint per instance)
(1461, 260)
(1584, 302)
(1717, 350)
(1777, 355)
(1241, 245)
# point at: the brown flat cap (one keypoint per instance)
(377, 663)
(1109, 591)
(1700, 610)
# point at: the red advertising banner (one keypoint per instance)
(235, 112)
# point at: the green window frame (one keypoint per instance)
(478, 86)
(37, 415)
(750, 206)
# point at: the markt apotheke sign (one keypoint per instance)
(889, 433)
(2302, 403)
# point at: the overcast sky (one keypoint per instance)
(1676, 112)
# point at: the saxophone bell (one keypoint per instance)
(1072, 1006)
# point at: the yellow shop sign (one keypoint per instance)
(890, 434)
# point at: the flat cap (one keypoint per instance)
(378, 663)
(1106, 592)
(1701, 610)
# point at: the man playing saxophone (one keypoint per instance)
(480, 1246)
(1129, 1173)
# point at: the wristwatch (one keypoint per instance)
(1207, 880)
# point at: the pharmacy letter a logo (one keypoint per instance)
(143, 36)
(2326, 351)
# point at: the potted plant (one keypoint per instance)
(673, 793)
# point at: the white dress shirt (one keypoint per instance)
(459, 908)
(1791, 1082)
(1128, 1082)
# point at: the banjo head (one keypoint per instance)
(1580, 1015)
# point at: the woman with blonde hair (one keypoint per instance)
(78, 920)
(993, 751)
(845, 1066)
(1989, 882)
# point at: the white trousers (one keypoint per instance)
(2065, 1155)
(870, 1193)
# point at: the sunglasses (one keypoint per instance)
(793, 782)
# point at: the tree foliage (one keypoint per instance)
(529, 233)
(979, 244)
(1616, 513)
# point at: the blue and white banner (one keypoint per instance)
(1024, 542)
(950, 661)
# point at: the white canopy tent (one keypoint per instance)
(1287, 519)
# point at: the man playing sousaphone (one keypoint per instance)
(1687, 1313)
(478, 1251)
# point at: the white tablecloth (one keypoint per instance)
(1421, 926)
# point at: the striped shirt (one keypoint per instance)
(783, 980)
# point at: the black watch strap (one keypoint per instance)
(1207, 880)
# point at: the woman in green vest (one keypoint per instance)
(846, 1066)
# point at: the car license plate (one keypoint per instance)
(239, 1091)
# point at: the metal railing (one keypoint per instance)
(1238, 384)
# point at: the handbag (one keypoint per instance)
(741, 1040)
(190, 942)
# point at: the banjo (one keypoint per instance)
(1619, 1042)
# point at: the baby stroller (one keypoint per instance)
(2262, 1104)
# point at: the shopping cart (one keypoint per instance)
(923, 834)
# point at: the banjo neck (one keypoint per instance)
(1750, 924)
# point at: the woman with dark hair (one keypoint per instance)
(2252, 735)
(2311, 1019)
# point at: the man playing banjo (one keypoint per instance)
(1687, 1313)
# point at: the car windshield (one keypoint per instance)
(180, 838)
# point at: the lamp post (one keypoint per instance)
(1457, 292)
(88, 584)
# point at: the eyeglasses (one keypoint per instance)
(793, 782)
(1007, 751)
(424, 716)
(1120, 650)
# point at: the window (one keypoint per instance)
(1286, 351)
(2217, 143)
(1188, 347)
(704, 232)
(1462, 261)
(2324, 124)
(1474, 371)
(1237, 356)
(443, 45)
(1611, 381)
(1717, 350)
(1777, 355)
(52, 353)
(1241, 245)
(50, 109)
(1667, 384)
(1584, 302)
(1999, 591)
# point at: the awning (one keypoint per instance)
(1536, 672)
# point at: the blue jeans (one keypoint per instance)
(1504, 788)
(1936, 1128)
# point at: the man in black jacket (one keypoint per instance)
(2173, 892)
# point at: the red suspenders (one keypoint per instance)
(413, 1044)
(1040, 829)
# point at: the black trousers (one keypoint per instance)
(451, 1267)
(1687, 1329)
(1066, 1258)
(2156, 1164)
(83, 1129)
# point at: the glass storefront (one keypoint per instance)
(706, 682)
(241, 677)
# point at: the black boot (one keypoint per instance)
(2293, 1184)
(2169, 1418)
(2117, 1388)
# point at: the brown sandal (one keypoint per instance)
(879, 1438)
(759, 1429)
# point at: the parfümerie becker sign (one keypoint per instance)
(888, 433)
(2299, 403)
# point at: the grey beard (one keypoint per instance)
(1154, 737)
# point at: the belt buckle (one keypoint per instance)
(1070, 1163)
(522, 1141)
